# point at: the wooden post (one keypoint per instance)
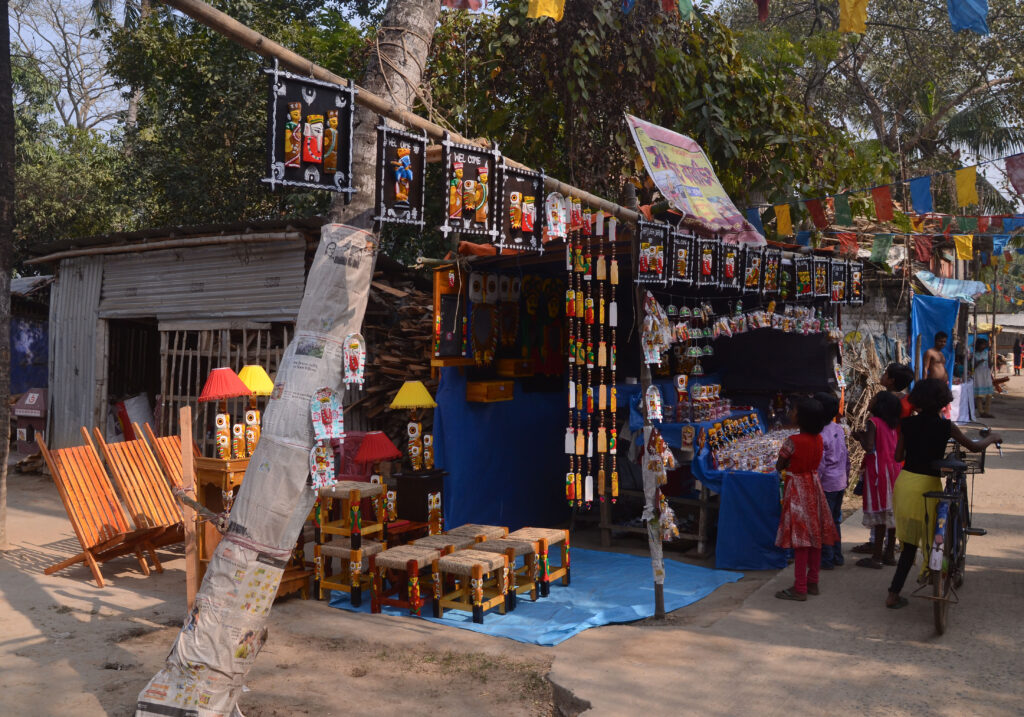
(188, 484)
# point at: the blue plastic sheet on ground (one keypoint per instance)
(928, 316)
(605, 588)
(748, 516)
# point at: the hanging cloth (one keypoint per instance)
(883, 203)
(964, 246)
(921, 194)
(546, 8)
(783, 224)
(966, 186)
(969, 15)
(853, 16)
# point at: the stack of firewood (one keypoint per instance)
(399, 330)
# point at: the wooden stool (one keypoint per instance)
(355, 567)
(522, 579)
(351, 524)
(480, 532)
(545, 539)
(445, 544)
(410, 560)
(480, 579)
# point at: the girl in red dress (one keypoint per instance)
(806, 521)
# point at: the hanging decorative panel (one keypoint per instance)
(401, 167)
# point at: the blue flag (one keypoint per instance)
(754, 217)
(999, 243)
(803, 238)
(921, 194)
(1012, 223)
(969, 15)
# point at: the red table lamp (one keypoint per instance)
(222, 384)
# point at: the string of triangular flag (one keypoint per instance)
(853, 15)
(920, 189)
(555, 9)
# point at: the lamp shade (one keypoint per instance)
(376, 446)
(256, 379)
(413, 394)
(222, 384)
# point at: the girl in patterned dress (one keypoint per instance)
(806, 522)
(880, 468)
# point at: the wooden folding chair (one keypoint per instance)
(143, 489)
(167, 450)
(96, 515)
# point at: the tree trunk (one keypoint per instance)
(6, 252)
(205, 672)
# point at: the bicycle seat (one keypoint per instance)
(949, 464)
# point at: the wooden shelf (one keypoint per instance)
(447, 362)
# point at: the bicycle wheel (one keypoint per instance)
(940, 591)
(961, 524)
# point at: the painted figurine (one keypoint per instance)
(435, 520)
(331, 143)
(313, 139)
(515, 211)
(403, 176)
(481, 195)
(455, 192)
(252, 430)
(529, 213)
(293, 136)
(354, 358)
(391, 501)
(414, 431)
(238, 441)
(222, 423)
(428, 452)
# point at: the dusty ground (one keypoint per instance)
(69, 648)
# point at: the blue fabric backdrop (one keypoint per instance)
(969, 15)
(928, 316)
(506, 461)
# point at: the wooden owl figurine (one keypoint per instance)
(238, 441)
(428, 452)
(435, 520)
(392, 505)
(414, 431)
(252, 430)
(222, 435)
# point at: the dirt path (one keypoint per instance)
(69, 648)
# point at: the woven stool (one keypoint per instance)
(351, 525)
(545, 539)
(445, 544)
(480, 581)
(522, 579)
(480, 532)
(355, 567)
(410, 560)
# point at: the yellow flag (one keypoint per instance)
(964, 246)
(917, 223)
(783, 224)
(966, 189)
(546, 8)
(853, 16)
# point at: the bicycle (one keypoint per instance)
(947, 555)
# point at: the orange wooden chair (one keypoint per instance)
(144, 490)
(167, 450)
(96, 514)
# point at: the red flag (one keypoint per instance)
(1008, 256)
(923, 248)
(817, 213)
(996, 224)
(669, 5)
(983, 223)
(847, 243)
(883, 203)
(762, 9)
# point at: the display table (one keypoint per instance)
(214, 475)
(748, 516)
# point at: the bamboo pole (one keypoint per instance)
(253, 238)
(252, 40)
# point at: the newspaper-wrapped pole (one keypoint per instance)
(226, 627)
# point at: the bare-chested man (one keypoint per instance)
(934, 363)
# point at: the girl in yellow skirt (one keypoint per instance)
(922, 441)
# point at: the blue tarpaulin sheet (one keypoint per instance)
(503, 459)
(748, 516)
(928, 316)
(605, 588)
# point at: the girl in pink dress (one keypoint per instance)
(806, 522)
(880, 469)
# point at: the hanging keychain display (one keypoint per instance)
(521, 218)
(753, 258)
(771, 267)
(401, 168)
(730, 269)
(682, 259)
(469, 177)
(854, 285)
(803, 269)
(707, 262)
(837, 271)
(822, 285)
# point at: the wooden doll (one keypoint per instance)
(529, 214)
(481, 195)
(313, 140)
(414, 430)
(469, 198)
(293, 136)
(435, 520)
(515, 211)
(403, 176)
(331, 143)
(252, 430)
(428, 452)
(223, 435)
(455, 192)
(238, 441)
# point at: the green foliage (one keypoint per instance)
(198, 151)
(553, 95)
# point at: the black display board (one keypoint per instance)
(683, 249)
(803, 278)
(772, 270)
(470, 177)
(521, 208)
(309, 133)
(855, 284)
(706, 269)
(822, 278)
(839, 271)
(653, 238)
(730, 267)
(753, 270)
(401, 168)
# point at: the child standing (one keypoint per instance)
(880, 468)
(834, 474)
(805, 523)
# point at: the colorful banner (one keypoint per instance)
(883, 203)
(853, 16)
(966, 186)
(783, 224)
(685, 177)
(546, 8)
(964, 246)
(817, 212)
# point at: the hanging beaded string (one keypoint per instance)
(572, 429)
(582, 336)
(613, 281)
(589, 318)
